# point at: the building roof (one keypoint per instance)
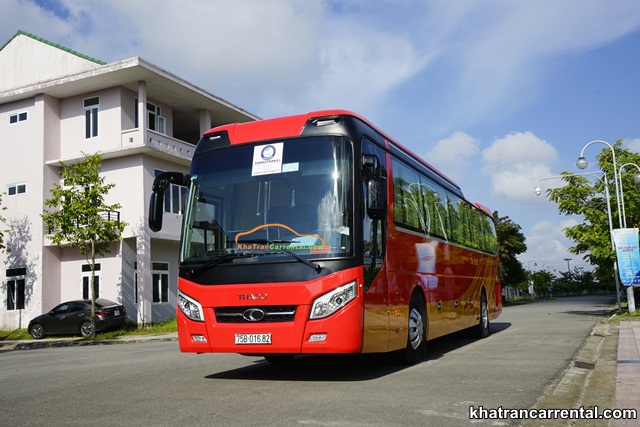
(56, 45)
(163, 86)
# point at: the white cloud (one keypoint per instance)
(453, 154)
(283, 56)
(547, 246)
(634, 145)
(516, 162)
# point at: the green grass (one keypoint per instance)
(16, 334)
(165, 327)
(625, 313)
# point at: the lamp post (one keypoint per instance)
(636, 179)
(582, 163)
(603, 179)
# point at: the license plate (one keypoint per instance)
(117, 312)
(253, 339)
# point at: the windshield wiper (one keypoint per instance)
(223, 258)
(311, 264)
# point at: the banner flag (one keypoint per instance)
(628, 255)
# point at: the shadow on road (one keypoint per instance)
(591, 313)
(350, 367)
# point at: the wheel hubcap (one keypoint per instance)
(484, 314)
(416, 328)
(86, 330)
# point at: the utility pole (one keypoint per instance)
(568, 265)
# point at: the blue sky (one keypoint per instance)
(495, 93)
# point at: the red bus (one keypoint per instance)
(318, 233)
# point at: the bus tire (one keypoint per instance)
(417, 332)
(482, 329)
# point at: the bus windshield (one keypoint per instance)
(271, 201)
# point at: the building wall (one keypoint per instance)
(72, 125)
(54, 131)
(22, 143)
(71, 262)
(18, 68)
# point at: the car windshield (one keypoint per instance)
(255, 202)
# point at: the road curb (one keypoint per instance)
(78, 342)
(588, 382)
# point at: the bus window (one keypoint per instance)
(408, 205)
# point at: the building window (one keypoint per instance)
(160, 272)
(155, 121)
(175, 197)
(91, 117)
(86, 280)
(15, 189)
(15, 118)
(15, 288)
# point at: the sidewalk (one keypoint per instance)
(628, 375)
(606, 374)
(76, 341)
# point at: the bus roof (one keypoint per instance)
(281, 127)
(290, 126)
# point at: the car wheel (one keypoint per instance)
(37, 331)
(416, 339)
(86, 329)
(482, 329)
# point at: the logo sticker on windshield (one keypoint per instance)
(267, 159)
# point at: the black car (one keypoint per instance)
(74, 317)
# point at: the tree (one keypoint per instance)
(585, 196)
(511, 242)
(542, 280)
(80, 217)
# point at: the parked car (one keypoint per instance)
(74, 317)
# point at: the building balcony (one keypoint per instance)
(158, 143)
(107, 216)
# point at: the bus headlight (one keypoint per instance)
(333, 301)
(190, 307)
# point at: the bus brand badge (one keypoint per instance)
(252, 297)
(253, 315)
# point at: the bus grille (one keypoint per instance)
(272, 314)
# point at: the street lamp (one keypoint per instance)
(603, 179)
(568, 265)
(636, 179)
(582, 163)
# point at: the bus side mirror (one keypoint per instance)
(156, 204)
(377, 197)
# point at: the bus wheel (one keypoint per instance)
(417, 332)
(278, 358)
(482, 330)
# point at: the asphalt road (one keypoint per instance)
(148, 384)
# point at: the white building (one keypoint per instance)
(55, 104)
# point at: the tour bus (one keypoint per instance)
(319, 234)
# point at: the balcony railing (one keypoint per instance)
(108, 216)
(132, 138)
